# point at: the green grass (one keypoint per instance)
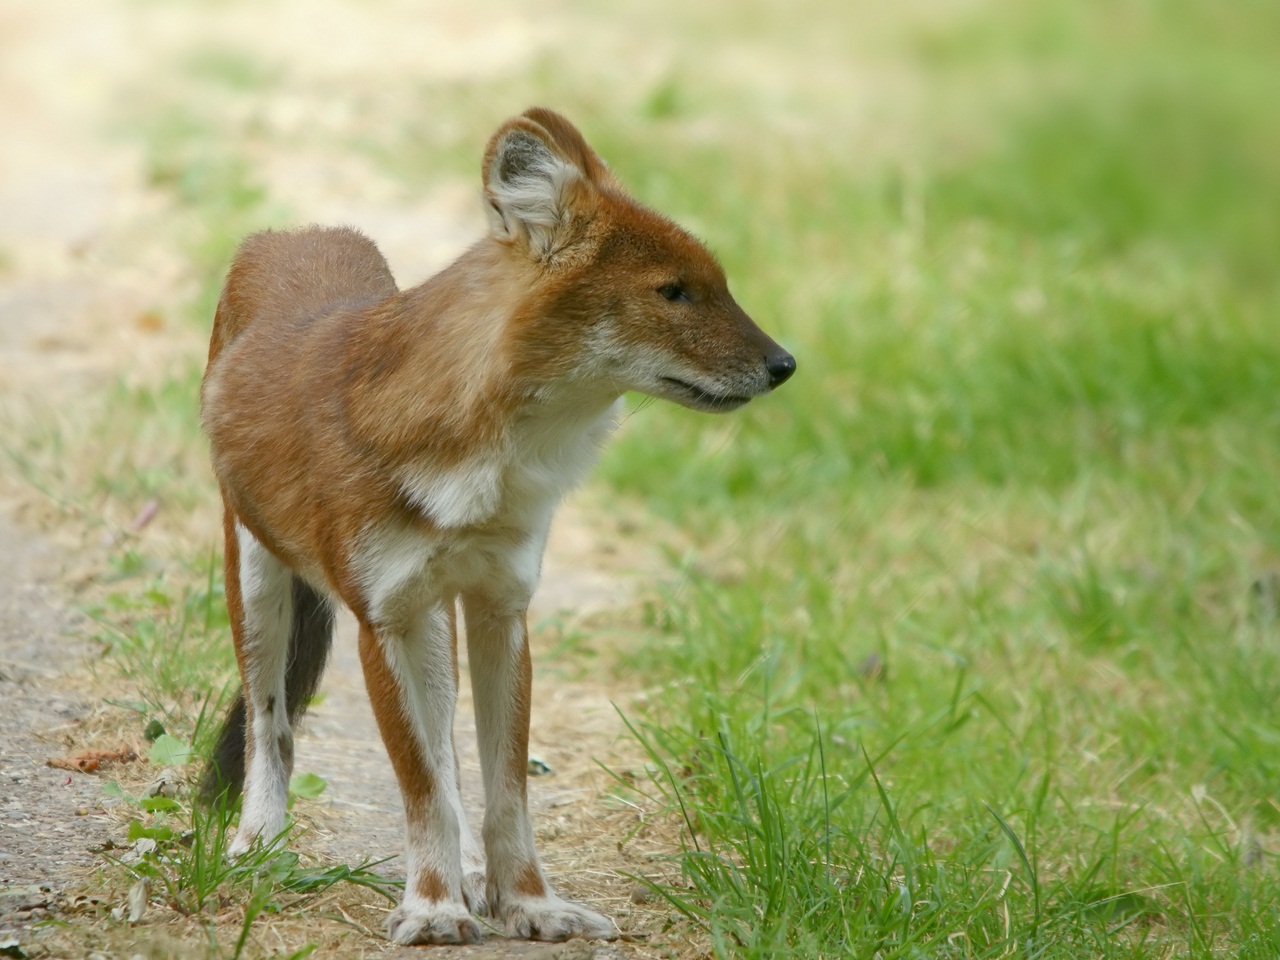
(178, 860)
(170, 641)
(168, 646)
(977, 654)
(974, 665)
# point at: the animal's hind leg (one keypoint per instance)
(261, 626)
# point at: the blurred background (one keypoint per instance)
(1004, 554)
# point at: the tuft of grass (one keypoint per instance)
(178, 862)
(973, 627)
(172, 646)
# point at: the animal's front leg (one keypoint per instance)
(501, 679)
(412, 688)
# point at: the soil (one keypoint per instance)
(49, 818)
(87, 269)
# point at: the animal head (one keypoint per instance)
(619, 295)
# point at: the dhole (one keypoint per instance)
(400, 450)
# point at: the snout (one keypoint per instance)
(780, 365)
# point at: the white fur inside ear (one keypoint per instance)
(528, 192)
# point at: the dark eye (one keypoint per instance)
(675, 293)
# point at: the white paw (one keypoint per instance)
(550, 918)
(249, 836)
(441, 922)
(244, 841)
(473, 890)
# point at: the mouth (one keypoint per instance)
(699, 399)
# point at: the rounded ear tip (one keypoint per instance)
(530, 184)
(508, 138)
(543, 115)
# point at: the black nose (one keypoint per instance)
(780, 366)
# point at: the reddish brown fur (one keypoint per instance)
(529, 883)
(571, 144)
(430, 885)
(318, 359)
(327, 386)
(397, 735)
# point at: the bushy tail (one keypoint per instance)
(310, 638)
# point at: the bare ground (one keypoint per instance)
(49, 818)
(88, 271)
(54, 822)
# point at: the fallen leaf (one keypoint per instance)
(91, 760)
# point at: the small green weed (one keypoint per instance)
(178, 860)
(172, 645)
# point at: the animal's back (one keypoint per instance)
(278, 276)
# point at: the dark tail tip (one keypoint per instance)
(310, 637)
(224, 774)
(309, 643)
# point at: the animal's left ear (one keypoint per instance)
(530, 187)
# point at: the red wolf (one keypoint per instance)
(399, 451)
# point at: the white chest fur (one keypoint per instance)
(491, 513)
(545, 453)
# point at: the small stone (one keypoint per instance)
(641, 893)
(82, 811)
(137, 901)
(10, 947)
(168, 784)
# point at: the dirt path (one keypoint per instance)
(49, 818)
(88, 271)
(340, 741)
(52, 821)
(573, 726)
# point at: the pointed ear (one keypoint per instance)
(530, 186)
